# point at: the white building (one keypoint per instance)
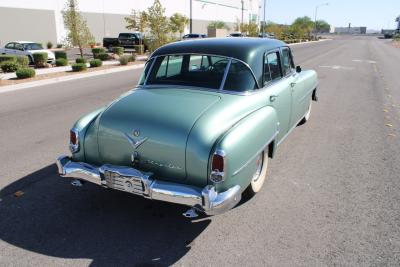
(41, 20)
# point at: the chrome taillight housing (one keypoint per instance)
(218, 166)
(74, 140)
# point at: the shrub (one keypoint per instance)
(123, 60)
(95, 63)
(79, 67)
(60, 54)
(25, 73)
(61, 62)
(59, 45)
(132, 58)
(139, 49)
(80, 60)
(103, 56)
(98, 50)
(40, 59)
(22, 60)
(9, 66)
(8, 58)
(49, 45)
(118, 50)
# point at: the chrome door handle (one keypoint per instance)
(272, 98)
(292, 84)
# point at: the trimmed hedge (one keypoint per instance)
(61, 62)
(79, 67)
(95, 63)
(118, 50)
(9, 66)
(25, 73)
(23, 61)
(124, 60)
(8, 58)
(98, 50)
(40, 59)
(103, 56)
(49, 45)
(80, 60)
(60, 54)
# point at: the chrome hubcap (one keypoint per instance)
(259, 164)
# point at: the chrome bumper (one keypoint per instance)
(130, 180)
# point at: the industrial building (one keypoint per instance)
(349, 30)
(41, 20)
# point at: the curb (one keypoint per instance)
(310, 42)
(21, 86)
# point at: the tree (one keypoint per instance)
(78, 33)
(137, 21)
(251, 29)
(302, 27)
(158, 24)
(322, 26)
(177, 23)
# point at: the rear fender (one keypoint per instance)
(243, 142)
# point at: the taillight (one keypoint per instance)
(218, 163)
(73, 141)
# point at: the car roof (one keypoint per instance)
(247, 49)
(24, 42)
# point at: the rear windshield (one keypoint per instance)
(201, 71)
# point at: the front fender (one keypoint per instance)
(243, 142)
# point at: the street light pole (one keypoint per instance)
(264, 24)
(191, 20)
(315, 17)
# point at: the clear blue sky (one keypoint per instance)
(375, 14)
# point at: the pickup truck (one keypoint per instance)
(125, 40)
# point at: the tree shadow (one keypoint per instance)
(110, 227)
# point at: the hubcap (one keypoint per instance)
(259, 164)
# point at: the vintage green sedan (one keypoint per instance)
(200, 126)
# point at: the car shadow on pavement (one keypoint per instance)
(51, 217)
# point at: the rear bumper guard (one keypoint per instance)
(127, 179)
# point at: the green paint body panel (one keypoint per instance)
(184, 126)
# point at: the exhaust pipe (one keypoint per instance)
(191, 213)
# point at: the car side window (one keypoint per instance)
(10, 46)
(239, 78)
(287, 61)
(19, 47)
(170, 66)
(272, 67)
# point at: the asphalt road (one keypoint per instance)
(332, 197)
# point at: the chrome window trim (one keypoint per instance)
(293, 70)
(225, 74)
(277, 50)
(212, 55)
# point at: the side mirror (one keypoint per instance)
(298, 69)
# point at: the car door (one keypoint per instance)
(19, 49)
(299, 103)
(278, 91)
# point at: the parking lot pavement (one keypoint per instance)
(332, 196)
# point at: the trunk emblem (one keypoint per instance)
(135, 143)
(136, 133)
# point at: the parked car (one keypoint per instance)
(199, 128)
(26, 48)
(193, 36)
(125, 40)
(266, 35)
(236, 34)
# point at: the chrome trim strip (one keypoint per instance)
(258, 152)
(225, 74)
(206, 200)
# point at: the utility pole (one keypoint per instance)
(191, 19)
(242, 15)
(315, 17)
(265, 23)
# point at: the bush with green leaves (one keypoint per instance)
(9, 66)
(61, 62)
(8, 58)
(80, 60)
(24, 73)
(95, 63)
(60, 54)
(49, 45)
(59, 45)
(132, 58)
(97, 50)
(22, 60)
(79, 67)
(118, 50)
(124, 60)
(40, 59)
(103, 56)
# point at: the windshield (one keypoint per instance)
(200, 71)
(33, 46)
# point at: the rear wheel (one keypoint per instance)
(259, 176)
